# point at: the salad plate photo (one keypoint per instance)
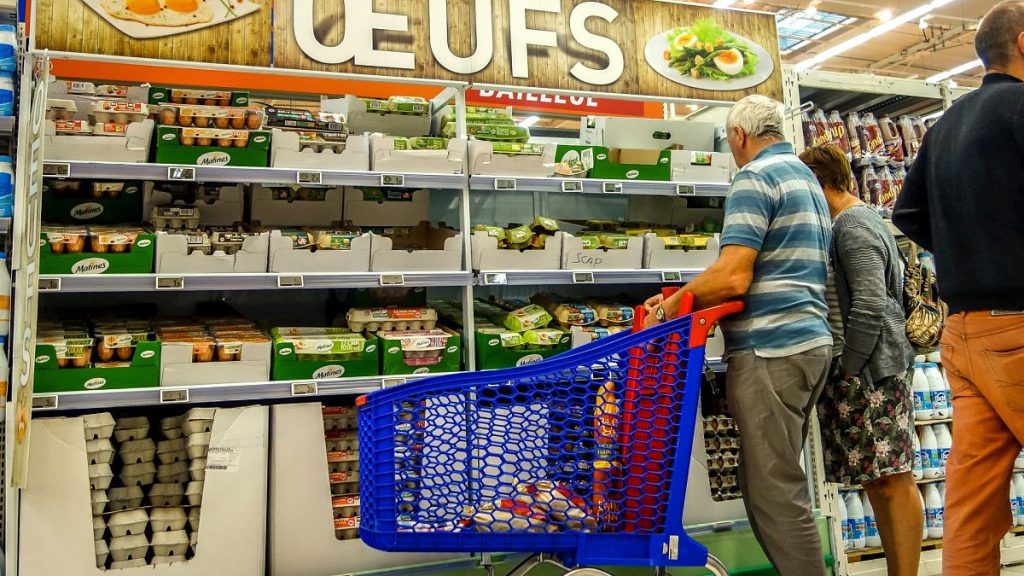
(707, 57)
(158, 18)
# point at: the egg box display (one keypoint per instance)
(420, 351)
(423, 247)
(173, 255)
(302, 353)
(212, 146)
(696, 166)
(96, 251)
(286, 206)
(379, 116)
(580, 255)
(194, 97)
(617, 163)
(647, 133)
(60, 528)
(436, 156)
(511, 159)
(488, 256)
(498, 347)
(286, 256)
(129, 145)
(291, 149)
(218, 204)
(178, 366)
(141, 371)
(658, 256)
(91, 201)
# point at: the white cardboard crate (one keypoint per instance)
(178, 369)
(487, 255)
(452, 160)
(270, 211)
(483, 161)
(172, 256)
(576, 257)
(362, 120)
(386, 258)
(226, 209)
(284, 257)
(658, 258)
(386, 212)
(720, 170)
(285, 152)
(647, 133)
(133, 147)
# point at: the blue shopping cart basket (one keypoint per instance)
(584, 456)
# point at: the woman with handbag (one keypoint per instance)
(866, 411)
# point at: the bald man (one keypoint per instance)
(964, 201)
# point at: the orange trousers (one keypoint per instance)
(983, 353)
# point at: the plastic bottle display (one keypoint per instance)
(949, 392)
(934, 511)
(1014, 505)
(899, 176)
(1019, 462)
(811, 134)
(887, 190)
(937, 390)
(930, 459)
(922, 395)
(853, 133)
(840, 135)
(944, 440)
(822, 127)
(5, 296)
(871, 536)
(911, 143)
(924, 515)
(891, 138)
(855, 509)
(1017, 481)
(844, 522)
(918, 468)
(870, 186)
(873, 143)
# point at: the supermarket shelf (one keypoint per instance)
(918, 482)
(172, 282)
(591, 186)
(854, 555)
(288, 176)
(211, 393)
(930, 422)
(565, 277)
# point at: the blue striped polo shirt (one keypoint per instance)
(776, 207)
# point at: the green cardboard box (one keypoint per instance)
(619, 163)
(286, 364)
(144, 372)
(491, 354)
(127, 207)
(163, 95)
(396, 362)
(169, 150)
(138, 260)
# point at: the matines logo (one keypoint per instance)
(632, 174)
(217, 158)
(86, 211)
(42, 359)
(95, 383)
(529, 359)
(90, 266)
(324, 347)
(423, 370)
(148, 353)
(330, 371)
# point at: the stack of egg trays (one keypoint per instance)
(722, 444)
(146, 494)
(342, 442)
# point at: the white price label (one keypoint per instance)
(49, 284)
(505, 184)
(582, 277)
(223, 459)
(308, 178)
(392, 180)
(673, 276)
(572, 185)
(56, 169)
(495, 278)
(612, 187)
(181, 173)
(304, 388)
(289, 281)
(389, 382)
(173, 395)
(686, 189)
(392, 280)
(45, 402)
(170, 283)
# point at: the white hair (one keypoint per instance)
(758, 117)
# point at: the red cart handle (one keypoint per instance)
(685, 305)
(703, 320)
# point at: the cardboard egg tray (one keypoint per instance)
(341, 440)
(391, 319)
(722, 445)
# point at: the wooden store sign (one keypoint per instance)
(610, 46)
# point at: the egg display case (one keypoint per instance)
(316, 354)
(96, 250)
(67, 365)
(212, 146)
(92, 201)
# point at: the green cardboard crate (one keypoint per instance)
(169, 150)
(393, 362)
(287, 366)
(620, 163)
(144, 372)
(127, 207)
(138, 260)
(162, 95)
(490, 354)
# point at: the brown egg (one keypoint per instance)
(185, 121)
(209, 101)
(118, 247)
(203, 141)
(168, 116)
(238, 122)
(241, 142)
(224, 142)
(104, 352)
(97, 193)
(202, 352)
(57, 246)
(221, 121)
(63, 362)
(202, 121)
(177, 100)
(187, 140)
(76, 244)
(80, 362)
(113, 193)
(191, 100)
(224, 356)
(125, 353)
(253, 121)
(95, 245)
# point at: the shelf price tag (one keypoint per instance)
(673, 276)
(507, 184)
(181, 173)
(56, 169)
(45, 402)
(170, 283)
(304, 388)
(612, 187)
(495, 279)
(392, 180)
(715, 202)
(389, 382)
(582, 277)
(685, 189)
(392, 280)
(173, 395)
(289, 281)
(49, 284)
(309, 178)
(572, 185)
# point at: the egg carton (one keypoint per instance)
(109, 129)
(347, 528)
(141, 474)
(100, 476)
(99, 527)
(193, 540)
(723, 480)
(198, 445)
(126, 564)
(341, 440)
(173, 544)
(170, 427)
(99, 500)
(318, 146)
(135, 428)
(348, 466)
(125, 548)
(222, 117)
(175, 473)
(98, 426)
(175, 217)
(118, 111)
(166, 494)
(168, 560)
(345, 505)
(60, 109)
(197, 469)
(100, 451)
(128, 523)
(137, 451)
(391, 319)
(102, 553)
(125, 498)
(193, 518)
(194, 492)
(72, 127)
(722, 460)
(171, 451)
(214, 137)
(167, 519)
(198, 420)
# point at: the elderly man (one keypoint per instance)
(964, 201)
(775, 246)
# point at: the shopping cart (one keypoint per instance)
(581, 459)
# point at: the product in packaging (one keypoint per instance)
(823, 128)
(175, 217)
(526, 318)
(840, 135)
(419, 347)
(870, 186)
(392, 318)
(118, 111)
(131, 428)
(891, 138)
(873, 142)
(855, 133)
(125, 498)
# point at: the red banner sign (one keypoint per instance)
(555, 103)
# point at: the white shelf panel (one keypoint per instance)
(591, 186)
(269, 281)
(569, 277)
(234, 174)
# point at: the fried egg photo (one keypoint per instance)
(160, 12)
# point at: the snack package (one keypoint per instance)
(527, 318)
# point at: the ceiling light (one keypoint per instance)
(923, 24)
(954, 71)
(884, 15)
(723, 3)
(529, 121)
(874, 32)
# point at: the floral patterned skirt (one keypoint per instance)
(866, 428)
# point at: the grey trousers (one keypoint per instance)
(771, 400)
